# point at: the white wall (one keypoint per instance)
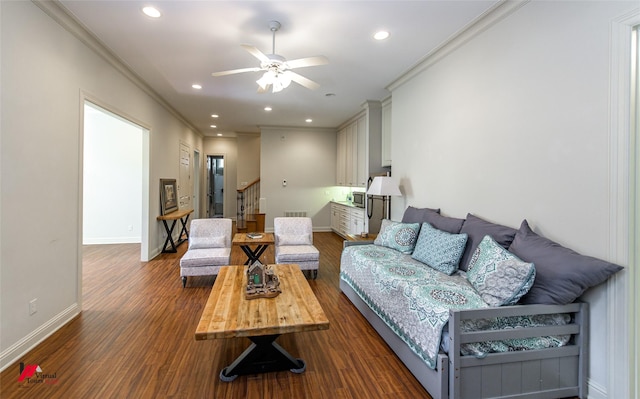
(112, 192)
(248, 158)
(306, 159)
(513, 124)
(46, 74)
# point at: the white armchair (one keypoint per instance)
(294, 243)
(209, 248)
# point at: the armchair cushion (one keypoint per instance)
(296, 253)
(205, 257)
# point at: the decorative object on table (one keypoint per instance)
(262, 282)
(254, 235)
(385, 187)
(168, 196)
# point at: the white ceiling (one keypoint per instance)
(192, 39)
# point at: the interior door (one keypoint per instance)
(185, 186)
(215, 186)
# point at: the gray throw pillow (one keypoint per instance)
(444, 223)
(476, 229)
(417, 215)
(562, 275)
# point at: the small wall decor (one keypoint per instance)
(168, 196)
(261, 282)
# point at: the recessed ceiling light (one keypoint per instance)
(381, 35)
(214, 115)
(213, 126)
(268, 109)
(308, 120)
(196, 86)
(151, 12)
(219, 134)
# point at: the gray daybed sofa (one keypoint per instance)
(473, 316)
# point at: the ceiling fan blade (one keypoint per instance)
(307, 62)
(255, 52)
(301, 80)
(231, 72)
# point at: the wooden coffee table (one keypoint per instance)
(228, 314)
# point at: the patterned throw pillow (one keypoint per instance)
(438, 249)
(500, 277)
(399, 236)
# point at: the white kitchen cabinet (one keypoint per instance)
(360, 166)
(357, 221)
(347, 219)
(386, 132)
(359, 147)
(341, 161)
(335, 217)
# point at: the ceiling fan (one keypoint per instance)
(278, 74)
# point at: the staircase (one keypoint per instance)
(248, 217)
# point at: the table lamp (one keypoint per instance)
(385, 187)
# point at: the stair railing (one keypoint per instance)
(248, 199)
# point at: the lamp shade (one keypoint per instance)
(384, 185)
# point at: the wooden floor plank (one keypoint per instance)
(135, 338)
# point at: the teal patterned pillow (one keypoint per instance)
(438, 249)
(399, 236)
(499, 276)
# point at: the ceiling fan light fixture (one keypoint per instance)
(277, 80)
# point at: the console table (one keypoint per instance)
(183, 216)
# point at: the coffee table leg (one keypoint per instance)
(264, 355)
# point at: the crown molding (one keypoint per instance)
(490, 17)
(58, 13)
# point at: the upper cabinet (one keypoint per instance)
(359, 147)
(386, 132)
(351, 162)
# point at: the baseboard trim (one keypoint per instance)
(23, 346)
(595, 390)
(112, 240)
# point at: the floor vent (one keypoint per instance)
(297, 214)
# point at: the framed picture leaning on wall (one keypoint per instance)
(168, 196)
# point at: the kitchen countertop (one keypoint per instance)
(346, 203)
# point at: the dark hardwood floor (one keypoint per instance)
(135, 339)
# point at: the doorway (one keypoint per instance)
(215, 186)
(115, 175)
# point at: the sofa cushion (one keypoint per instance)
(476, 229)
(206, 242)
(439, 249)
(294, 239)
(562, 274)
(499, 276)
(417, 215)
(399, 236)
